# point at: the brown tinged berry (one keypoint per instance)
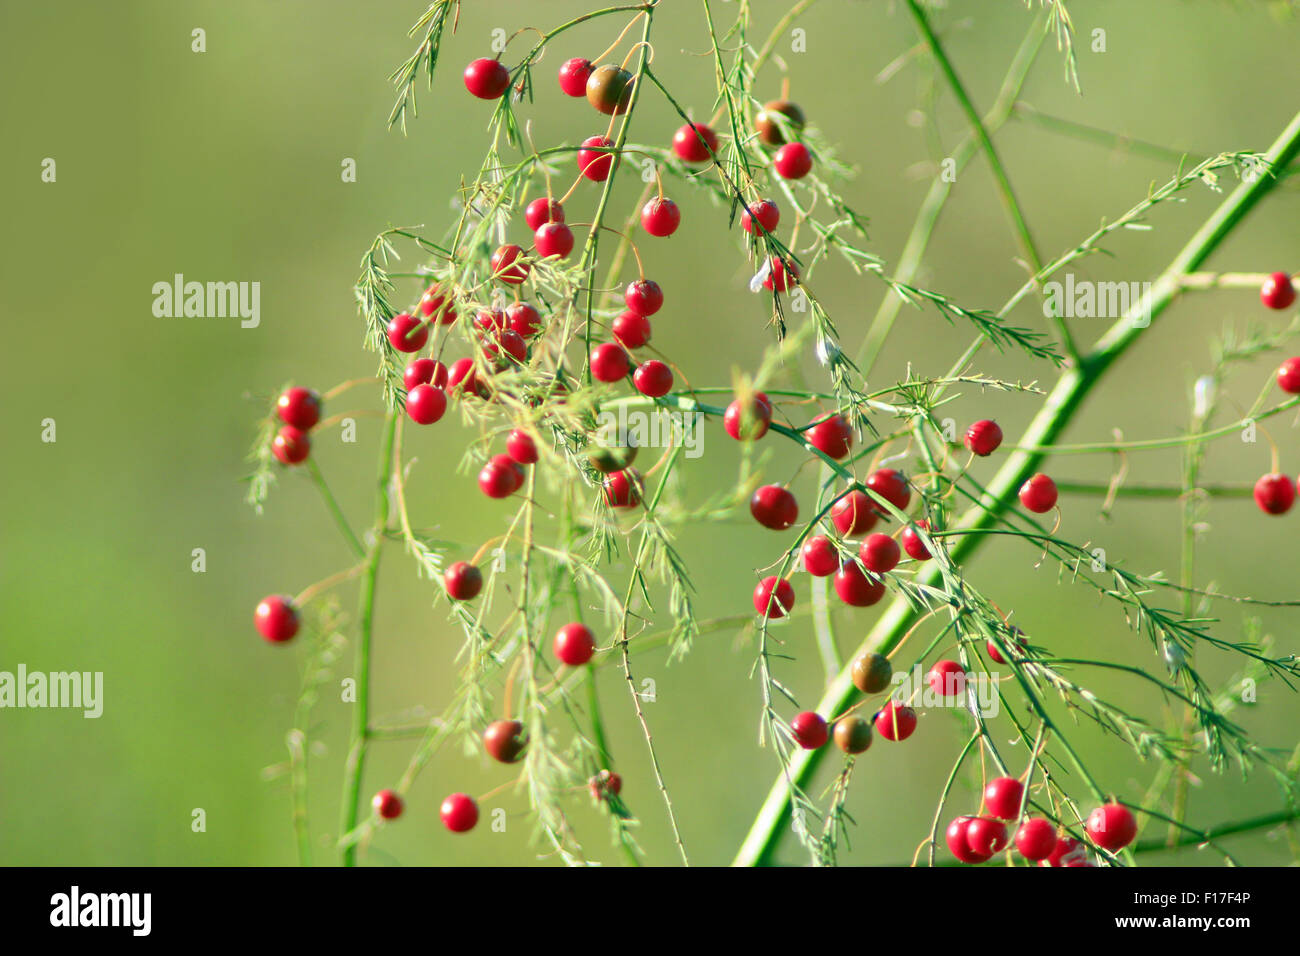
(872, 672)
(504, 740)
(853, 734)
(609, 89)
(774, 115)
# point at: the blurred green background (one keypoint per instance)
(225, 165)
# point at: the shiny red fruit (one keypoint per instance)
(1002, 797)
(574, 75)
(434, 301)
(748, 422)
(856, 588)
(958, 841)
(1112, 826)
(653, 378)
(1288, 376)
(774, 507)
(541, 211)
(425, 371)
(1038, 494)
(1036, 839)
(426, 404)
(983, 438)
(831, 435)
(609, 363)
(387, 805)
(793, 161)
(896, 721)
(891, 484)
(820, 557)
(777, 604)
(595, 159)
(406, 333)
(290, 446)
(631, 330)
(1067, 852)
(879, 553)
(810, 730)
(621, 489)
(507, 264)
(986, 836)
(506, 348)
(500, 477)
(521, 447)
(781, 275)
(913, 544)
(1275, 494)
(463, 581)
(644, 297)
(504, 740)
(524, 319)
(574, 644)
(553, 239)
(688, 146)
(992, 648)
(487, 79)
(299, 407)
(854, 514)
(459, 813)
(1277, 291)
(276, 618)
(660, 217)
(765, 211)
(463, 379)
(947, 678)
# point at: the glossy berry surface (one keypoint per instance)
(871, 672)
(500, 477)
(424, 371)
(487, 79)
(856, 588)
(774, 597)
(820, 558)
(299, 407)
(1111, 826)
(688, 146)
(793, 161)
(644, 297)
(290, 446)
(425, 404)
(621, 489)
(553, 239)
(1002, 797)
(541, 211)
(653, 378)
(853, 734)
(879, 553)
(406, 333)
(463, 379)
(774, 507)
(609, 363)
(766, 213)
(574, 74)
(781, 275)
(831, 435)
(947, 679)
(276, 618)
(983, 438)
(986, 836)
(896, 721)
(891, 484)
(630, 329)
(504, 740)
(508, 265)
(1275, 494)
(1277, 291)
(775, 118)
(809, 729)
(853, 514)
(459, 813)
(749, 421)
(1036, 839)
(1038, 494)
(521, 447)
(463, 581)
(913, 544)
(574, 644)
(595, 159)
(437, 305)
(609, 89)
(958, 841)
(992, 648)
(660, 217)
(524, 319)
(1288, 376)
(1067, 852)
(387, 805)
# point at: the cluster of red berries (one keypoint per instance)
(299, 409)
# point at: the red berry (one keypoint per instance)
(595, 161)
(983, 438)
(774, 605)
(765, 211)
(609, 89)
(1067, 852)
(1002, 796)
(1038, 494)
(913, 544)
(506, 264)
(621, 489)
(406, 333)
(463, 379)
(426, 404)
(459, 813)
(947, 679)
(660, 217)
(299, 407)
(574, 75)
(463, 581)
(1277, 291)
(857, 588)
(958, 841)
(896, 721)
(1288, 376)
(1036, 839)
(853, 514)
(291, 446)
(276, 618)
(425, 371)
(793, 161)
(506, 348)
(490, 321)
(992, 648)
(1112, 826)
(574, 644)
(524, 319)
(631, 330)
(521, 447)
(820, 557)
(605, 784)
(809, 729)
(879, 553)
(891, 485)
(1275, 494)
(780, 274)
(831, 435)
(774, 507)
(435, 300)
(487, 79)
(387, 804)
(748, 422)
(644, 297)
(687, 145)
(543, 210)
(609, 363)
(986, 836)
(553, 239)
(653, 378)
(504, 740)
(500, 477)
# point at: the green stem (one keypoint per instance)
(332, 503)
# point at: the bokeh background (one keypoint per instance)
(225, 165)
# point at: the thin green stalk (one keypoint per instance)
(333, 505)
(1057, 411)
